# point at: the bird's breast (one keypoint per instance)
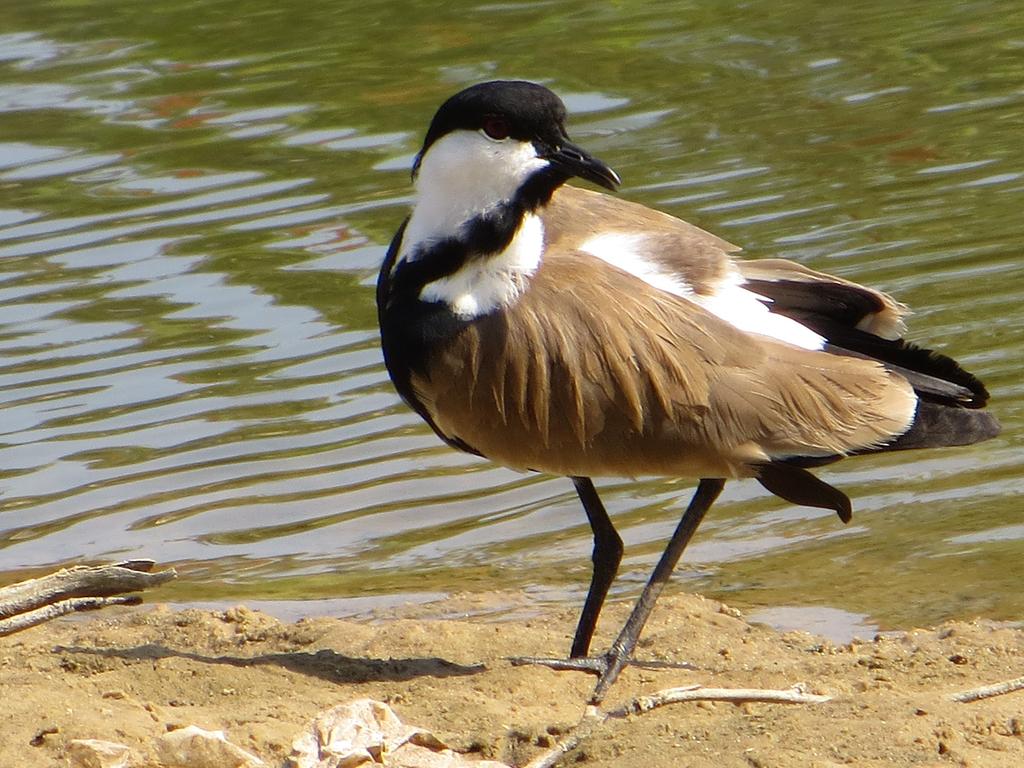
(555, 383)
(485, 283)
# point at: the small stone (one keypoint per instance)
(94, 753)
(728, 610)
(368, 732)
(42, 733)
(193, 747)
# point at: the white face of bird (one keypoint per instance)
(464, 174)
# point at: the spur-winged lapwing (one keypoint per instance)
(551, 328)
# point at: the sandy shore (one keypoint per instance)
(129, 676)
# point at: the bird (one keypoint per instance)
(552, 328)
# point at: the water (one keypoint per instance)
(194, 198)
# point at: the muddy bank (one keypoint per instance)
(133, 674)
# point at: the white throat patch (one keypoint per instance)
(486, 283)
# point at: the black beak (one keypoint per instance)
(576, 162)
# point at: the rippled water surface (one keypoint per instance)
(194, 198)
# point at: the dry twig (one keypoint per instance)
(82, 588)
(988, 691)
(594, 717)
(641, 704)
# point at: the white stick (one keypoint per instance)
(988, 691)
(593, 717)
(641, 704)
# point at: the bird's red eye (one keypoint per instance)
(496, 127)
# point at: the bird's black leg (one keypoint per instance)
(606, 558)
(620, 651)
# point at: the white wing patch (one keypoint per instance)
(732, 302)
(622, 250)
(487, 283)
(749, 312)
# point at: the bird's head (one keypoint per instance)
(503, 139)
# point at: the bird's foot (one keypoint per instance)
(607, 668)
(595, 665)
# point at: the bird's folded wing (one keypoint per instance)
(593, 369)
(805, 294)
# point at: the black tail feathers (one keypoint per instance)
(950, 398)
(938, 425)
(934, 376)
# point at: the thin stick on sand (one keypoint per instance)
(594, 717)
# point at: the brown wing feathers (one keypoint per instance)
(699, 258)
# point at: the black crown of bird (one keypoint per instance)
(552, 328)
